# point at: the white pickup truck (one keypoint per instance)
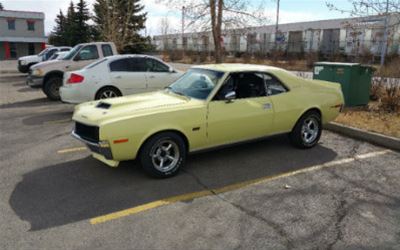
(25, 62)
(49, 75)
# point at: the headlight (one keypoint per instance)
(23, 62)
(37, 72)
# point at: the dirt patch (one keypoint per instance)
(379, 122)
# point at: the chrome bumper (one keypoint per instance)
(34, 81)
(102, 148)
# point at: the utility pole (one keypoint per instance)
(276, 24)
(385, 36)
(183, 29)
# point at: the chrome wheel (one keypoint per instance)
(309, 130)
(165, 155)
(108, 94)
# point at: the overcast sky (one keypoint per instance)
(290, 11)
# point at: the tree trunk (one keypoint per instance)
(216, 21)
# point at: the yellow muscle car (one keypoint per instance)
(209, 106)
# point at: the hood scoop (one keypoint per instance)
(103, 105)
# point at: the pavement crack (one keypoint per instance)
(275, 226)
(340, 213)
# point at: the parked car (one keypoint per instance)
(49, 75)
(209, 106)
(58, 55)
(117, 76)
(25, 62)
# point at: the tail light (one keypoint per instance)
(75, 78)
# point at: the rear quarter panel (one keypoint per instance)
(303, 96)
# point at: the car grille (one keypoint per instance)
(87, 132)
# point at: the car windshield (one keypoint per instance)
(72, 52)
(43, 52)
(196, 83)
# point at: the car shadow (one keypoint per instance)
(29, 103)
(28, 89)
(54, 117)
(82, 189)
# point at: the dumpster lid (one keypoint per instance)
(336, 63)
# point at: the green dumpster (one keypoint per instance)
(354, 78)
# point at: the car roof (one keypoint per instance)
(95, 43)
(238, 67)
(113, 57)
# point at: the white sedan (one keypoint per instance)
(117, 76)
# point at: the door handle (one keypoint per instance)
(118, 77)
(151, 76)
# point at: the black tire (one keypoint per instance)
(113, 91)
(304, 139)
(150, 161)
(52, 88)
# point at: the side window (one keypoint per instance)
(50, 53)
(156, 66)
(88, 52)
(11, 24)
(120, 65)
(30, 25)
(138, 64)
(107, 51)
(245, 85)
(274, 86)
(65, 49)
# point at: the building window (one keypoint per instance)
(31, 48)
(11, 24)
(31, 25)
(13, 50)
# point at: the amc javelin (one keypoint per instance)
(209, 106)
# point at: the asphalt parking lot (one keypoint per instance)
(342, 194)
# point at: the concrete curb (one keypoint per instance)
(356, 133)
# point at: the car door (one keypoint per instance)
(249, 115)
(158, 74)
(85, 56)
(128, 75)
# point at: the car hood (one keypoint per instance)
(49, 64)
(97, 112)
(29, 58)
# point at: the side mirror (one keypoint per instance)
(171, 70)
(77, 57)
(230, 96)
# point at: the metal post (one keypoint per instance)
(183, 29)
(385, 36)
(276, 24)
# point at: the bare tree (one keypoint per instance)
(216, 15)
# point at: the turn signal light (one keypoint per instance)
(75, 78)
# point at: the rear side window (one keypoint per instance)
(138, 64)
(274, 86)
(156, 66)
(107, 51)
(120, 65)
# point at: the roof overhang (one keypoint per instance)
(23, 39)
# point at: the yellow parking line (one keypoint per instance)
(190, 196)
(70, 150)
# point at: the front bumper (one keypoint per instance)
(99, 148)
(34, 81)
